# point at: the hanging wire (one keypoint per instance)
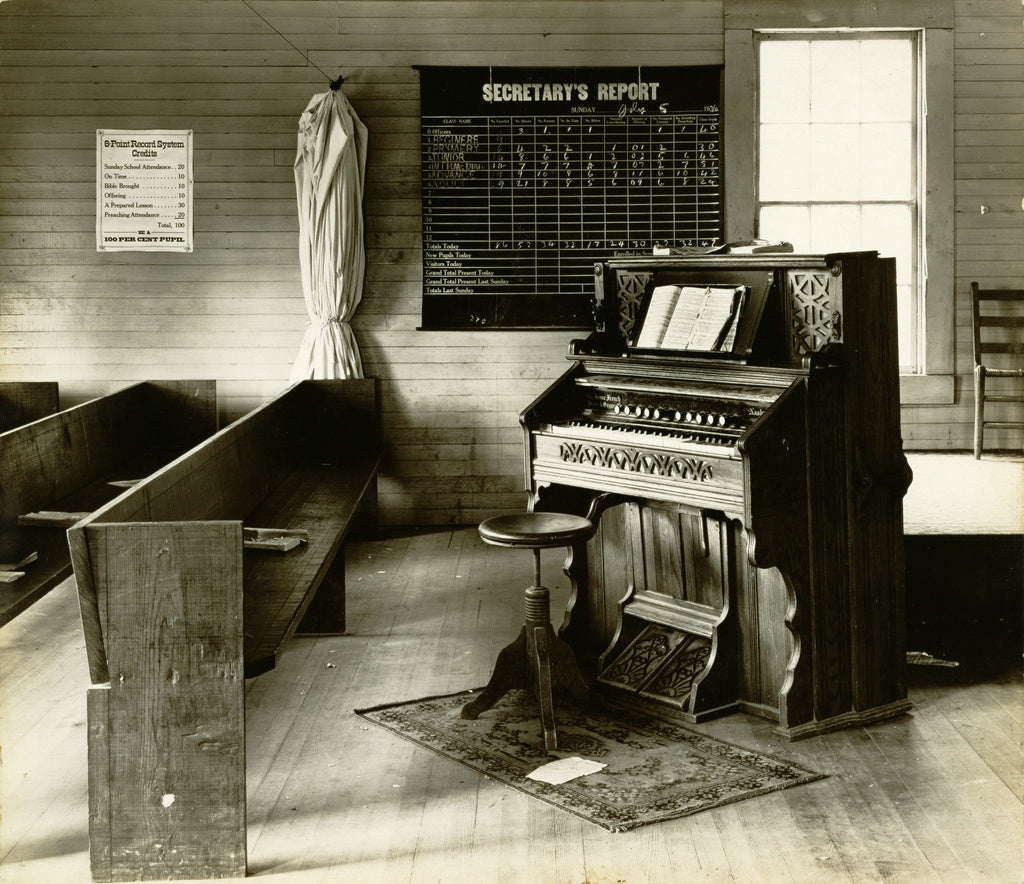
(335, 84)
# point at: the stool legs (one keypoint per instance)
(537, 659)
(537, 637)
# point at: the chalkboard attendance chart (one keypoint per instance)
(531, 175)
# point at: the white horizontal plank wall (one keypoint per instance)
(988, 157)
(232, 310)
(989, 194)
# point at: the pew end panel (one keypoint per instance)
(167, 795)
(172, 549)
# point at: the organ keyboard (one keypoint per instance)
(748, 500)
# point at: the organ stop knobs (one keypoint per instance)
(670, 413)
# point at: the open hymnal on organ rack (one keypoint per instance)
(691, 317)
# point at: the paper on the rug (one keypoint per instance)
(565, 769)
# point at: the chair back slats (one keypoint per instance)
(1009, 348)
(998, 326)
(994, 312)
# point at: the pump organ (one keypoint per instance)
(748, 554)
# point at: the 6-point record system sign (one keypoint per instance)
(143, 190)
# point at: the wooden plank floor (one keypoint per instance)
(932, 796)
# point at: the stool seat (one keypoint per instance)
(536, 530)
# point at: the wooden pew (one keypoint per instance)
(176, 612)
(22, 402)
(65, 463)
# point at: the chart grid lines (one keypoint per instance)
(519, 200)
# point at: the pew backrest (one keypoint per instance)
(224, 479)
(22, 402)
(52, 458)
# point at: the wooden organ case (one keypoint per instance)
(749, 551)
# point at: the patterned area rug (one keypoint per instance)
(655, 770)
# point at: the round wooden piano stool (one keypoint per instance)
(537, 659)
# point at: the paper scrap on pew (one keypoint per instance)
(124, 483)
(11, 571)
(277, 539)
(565, 769)
(50, 519)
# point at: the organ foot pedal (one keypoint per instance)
(675, 668)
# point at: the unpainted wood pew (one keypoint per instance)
(76, 460)
(22, 402)
(177, 612)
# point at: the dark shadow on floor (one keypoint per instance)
(965, 603)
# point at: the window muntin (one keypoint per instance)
(838, 154)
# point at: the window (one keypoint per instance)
(927, 25)
(839, 154)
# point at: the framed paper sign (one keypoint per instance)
(143, 190)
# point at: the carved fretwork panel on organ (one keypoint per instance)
(815, 301)
(738, 563)
(630, 288)
(654, 464)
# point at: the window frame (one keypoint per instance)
(914, 202)
(934, 22)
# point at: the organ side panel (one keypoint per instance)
(764, 644)
(878, 479)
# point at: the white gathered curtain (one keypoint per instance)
(330, 167)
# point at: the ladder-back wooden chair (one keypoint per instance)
(998, 316)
